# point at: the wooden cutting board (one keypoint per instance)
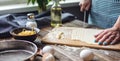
(73, 36)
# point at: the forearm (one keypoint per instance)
(117, 24)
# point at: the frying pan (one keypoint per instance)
(17, 50)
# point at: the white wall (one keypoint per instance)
(11, 2)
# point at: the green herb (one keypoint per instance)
(42, 4)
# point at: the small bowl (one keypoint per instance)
(31, 38)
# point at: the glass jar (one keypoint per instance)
(56, 12)
(31, 23)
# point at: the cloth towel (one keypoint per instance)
(10, 21)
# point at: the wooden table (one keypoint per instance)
(67, 53)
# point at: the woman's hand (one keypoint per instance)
(108, 36)
(85, 5)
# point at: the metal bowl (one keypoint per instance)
(17, 50)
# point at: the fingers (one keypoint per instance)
(83, 7)
(115, 39)
(108, 36)
(108, 40)
(105, 38)
(87, 7)
(104, 33)
(98, 34)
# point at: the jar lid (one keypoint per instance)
(30, 15)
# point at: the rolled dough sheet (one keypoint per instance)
(85, 35)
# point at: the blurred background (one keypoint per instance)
(18, 6)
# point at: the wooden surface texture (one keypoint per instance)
(74, 36)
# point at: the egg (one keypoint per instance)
(48, 49)
(86, 55)
(48, 57)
